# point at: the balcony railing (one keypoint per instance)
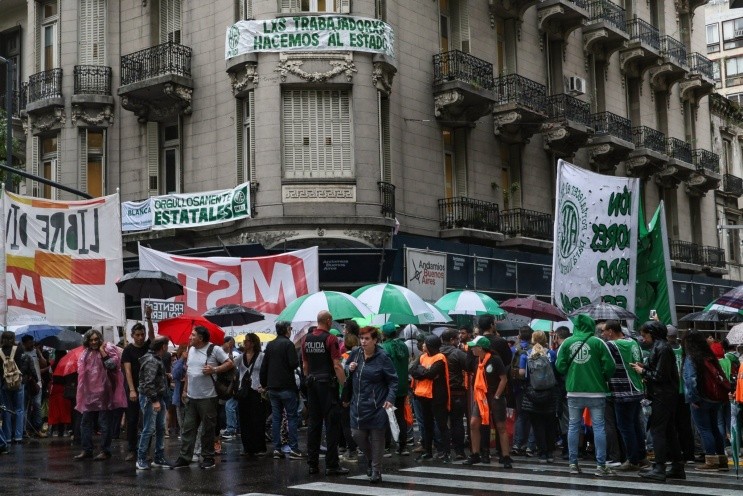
(611, 13)
(644, 32)
(462, 212)
(47, 84)
(645, 137)
(679, 150)
(674, 50)
(732, 185)
(15, 102)
(713, 257)
(160, 60)
(456, 65)
(387, 194)
(685, 251)
(527, 223)
(706, 161)
(92, 80)
(521, 91)
(566, 107)
(606, 123)
(701, 65)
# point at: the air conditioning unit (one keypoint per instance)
(577, 85)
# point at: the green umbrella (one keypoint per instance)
(434, 315)
(470, 303)
(398, 303)
(340, 305)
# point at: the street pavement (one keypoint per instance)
(46, 467)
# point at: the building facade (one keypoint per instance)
(456, 138)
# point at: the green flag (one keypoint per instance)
(654, 288)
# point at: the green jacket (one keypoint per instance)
(593, 365)
(398, 353)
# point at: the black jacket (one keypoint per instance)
(457, 360)
(660, 374)
(152, 380)
(279, 361)
(437, 372)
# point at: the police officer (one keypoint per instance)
(321, 359)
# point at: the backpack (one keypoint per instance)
(225, 383)
(12, 376)
(541, 375)
(516, 361)
(714, 386)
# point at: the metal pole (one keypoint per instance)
(9, 120)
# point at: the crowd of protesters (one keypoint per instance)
(628, 403)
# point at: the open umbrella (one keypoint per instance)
(434, 316)
(469, 303)
(263, 336)
(605, 311)
(533, 308)
(549, 325)
(340, 305)
(66, 339)
(233, 315)
(735, 335)
(401, 305)
(731, 301)
(179, 329)
(38, 332)
(149, 284)
(68, 364)
(712, 316)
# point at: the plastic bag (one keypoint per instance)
(394, 427)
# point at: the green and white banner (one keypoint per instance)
(187, 210)
(310, 34)
(595, 243)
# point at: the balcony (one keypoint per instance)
(467, 218)
(569, 125)
(387, 199)
(523, 227)
(92, 103)
(643, 49)
(44, 101)
(732, 186)
(559, 18)
(674, 66)
(156, 82)
(707, 176)
(611, 142)
(520, 108)
(680, 165)
(700, 81)
(649, 155)
(691, 256)
(462, 88)
(606, 30)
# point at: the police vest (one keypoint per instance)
(317, 354)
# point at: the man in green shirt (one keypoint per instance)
(398, 353)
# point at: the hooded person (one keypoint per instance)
(409, 336)
(430, 372)
(587, 365)
(661, 377)
(399, 354)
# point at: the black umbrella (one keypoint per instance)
(605, 311)
(65, 340)
(149, 284)
(233, 315)
(711, 316)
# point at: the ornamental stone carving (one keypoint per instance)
(86, 116)
(318, 193)
(374, 238)
(293, 65)
(181, 94)
(267, 239)
(244, 79)
(47, 121)
(382, 75)
(446, 99)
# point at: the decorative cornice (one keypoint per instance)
(267, 239)
(375, 238)
(293, 66)
(244, 78)
(103, 118)
(54, 119)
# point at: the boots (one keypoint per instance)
(658, 473)
(711, 464)
(723, 463)
(676, 471)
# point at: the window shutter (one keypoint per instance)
(460, 161)
(83, 163)
(170, 21)
(464, 25)
(37, 41)
(34, 185)
(384, 138)
(381, 9)
(92, 32)
(289, 6)
(248, 7)
(251, 138)
(344, 6)
(239, 138)
(344, 141)
(153, 159)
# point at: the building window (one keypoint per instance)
(454, 25)
(171, 158)
(385, 153)
(92, 32)
(736, 98)
(170, 21)
(92, 161)
(716, 70)
(245, 113)
(48, 36)
(380, 9)
(732, 33)
(316, 133)
(246, 9)
(733, 235)
(292, 6)
(713, 38)
(10, 48)
(455, 162)
(49, 166)
(733, 71)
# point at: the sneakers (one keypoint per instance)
(82, 456)
(226, 435)
(143, 465)
(628, 466)
(473, 459)
(425, 457)
(604, 471)
(349, 456)
(387, 453)
(295, 455)
(160, 463)
(207, 463)
(403, 452)
(336, 471)
(574, 469)
(613, 464)
(180, 463)
(278, 454)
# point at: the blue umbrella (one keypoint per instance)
(38, 332)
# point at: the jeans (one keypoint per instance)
(230, 410)
(575, 408)
(13, 402)
(630, 428)
(705, 418)
(33, 410)
(723, 420)
(152, 423)
(417, 414)
(324, 408)
(105, 419)
(284, 399)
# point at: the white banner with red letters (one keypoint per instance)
(62, 259)
(266, 284)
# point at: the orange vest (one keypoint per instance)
(739, 387)
(424, 387)
(481, 390)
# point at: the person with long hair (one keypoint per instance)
(350, 343)
(704, 411)
(540, 404)
(251, 406)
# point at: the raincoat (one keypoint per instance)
(100, 383)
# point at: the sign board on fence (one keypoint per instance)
(426, 273)
(163, 309)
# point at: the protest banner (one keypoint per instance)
(136, 215)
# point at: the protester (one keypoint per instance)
(230, 405)
(204, 361)
(153, 387)
(522, 442)
(540, 394)
(12, 393)
(179, 378)
(398, 353)
(100, 391)
(370, 391)
(587, 364)
(456, 359)
(350, 343)
(277, 376)
(251, 406)
(34, 387)
(683, 410)
(60, 408)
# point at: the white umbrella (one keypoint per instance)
(735, 335)
(401, 305)
(340, 305)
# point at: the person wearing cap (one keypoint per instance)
(431, 374)
(457, 361)
(488, 404)
(683, 411)
(398, 353)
